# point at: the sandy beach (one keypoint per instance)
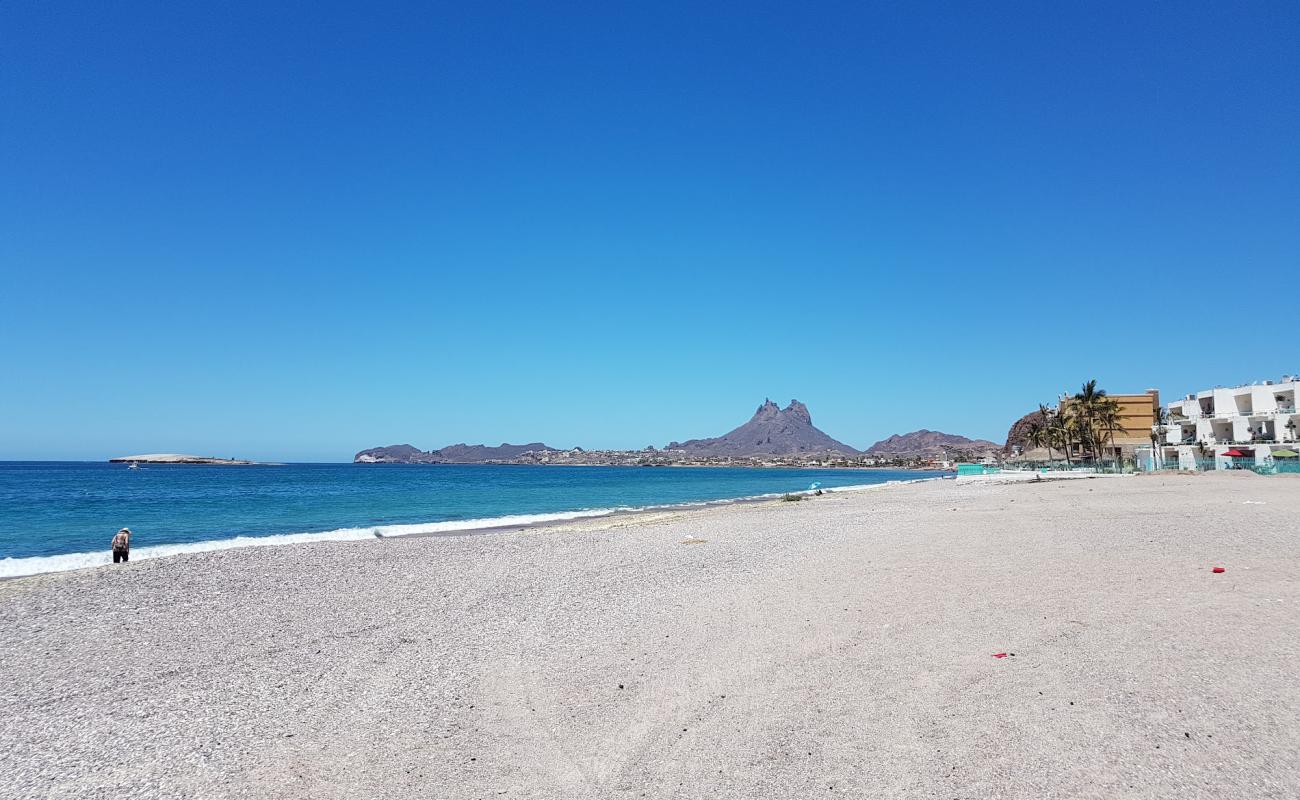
(843, 645)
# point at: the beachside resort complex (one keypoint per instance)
(1219, 428)
(1134, 415)
(1253, 426)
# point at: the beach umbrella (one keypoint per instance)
(1235, 453)
(1284, 453)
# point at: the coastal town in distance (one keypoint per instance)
(649, 401)
(1252, 426)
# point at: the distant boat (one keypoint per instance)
(133, 465)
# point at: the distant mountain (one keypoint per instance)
(451, 454)
(771, 431)
(928, 443)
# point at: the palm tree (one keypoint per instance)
(1034, 434)
(1108, 421)
(1046, 434)
(1097, 417)
(1065, 424)
(1157, 431)
(1086, 402)
(1089, 394)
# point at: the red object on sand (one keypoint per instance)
(1217, 569)
(999, 655)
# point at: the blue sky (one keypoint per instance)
(294, 232)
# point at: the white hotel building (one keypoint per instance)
(1253, 421)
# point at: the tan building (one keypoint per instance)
(1137, 413)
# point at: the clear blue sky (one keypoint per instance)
(292, 233)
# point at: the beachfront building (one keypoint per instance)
(1137, 413)
(1221, 428)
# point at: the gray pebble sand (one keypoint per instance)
(841, 646)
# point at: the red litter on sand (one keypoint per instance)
(1217, 570)
(999, 655)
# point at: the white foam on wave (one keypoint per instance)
(36, 565)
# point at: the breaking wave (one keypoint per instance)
(36, 565)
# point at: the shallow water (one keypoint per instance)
(62, 515)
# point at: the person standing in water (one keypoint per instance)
(122, 546)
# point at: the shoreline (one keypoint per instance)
(763, 650)
(62, 563)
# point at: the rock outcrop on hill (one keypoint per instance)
(929, 443)
(451, 454)
(1018, 436)
(771, 431)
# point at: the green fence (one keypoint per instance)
(1106, 468)
(965, 470)
(1199, 465)
(1271, 467)
(1276, 466)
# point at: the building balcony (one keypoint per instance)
(1224, 441)
(1225, 415)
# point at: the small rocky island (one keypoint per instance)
(179, 458)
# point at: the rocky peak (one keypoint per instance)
(799, 411)
(768, 410)
(773, 431)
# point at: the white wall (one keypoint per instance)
(1240, 429)
(1225, 405)
(1262, 399)
(1204, 429)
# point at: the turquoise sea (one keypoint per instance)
(58, 516)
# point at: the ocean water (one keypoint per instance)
(59, 516)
